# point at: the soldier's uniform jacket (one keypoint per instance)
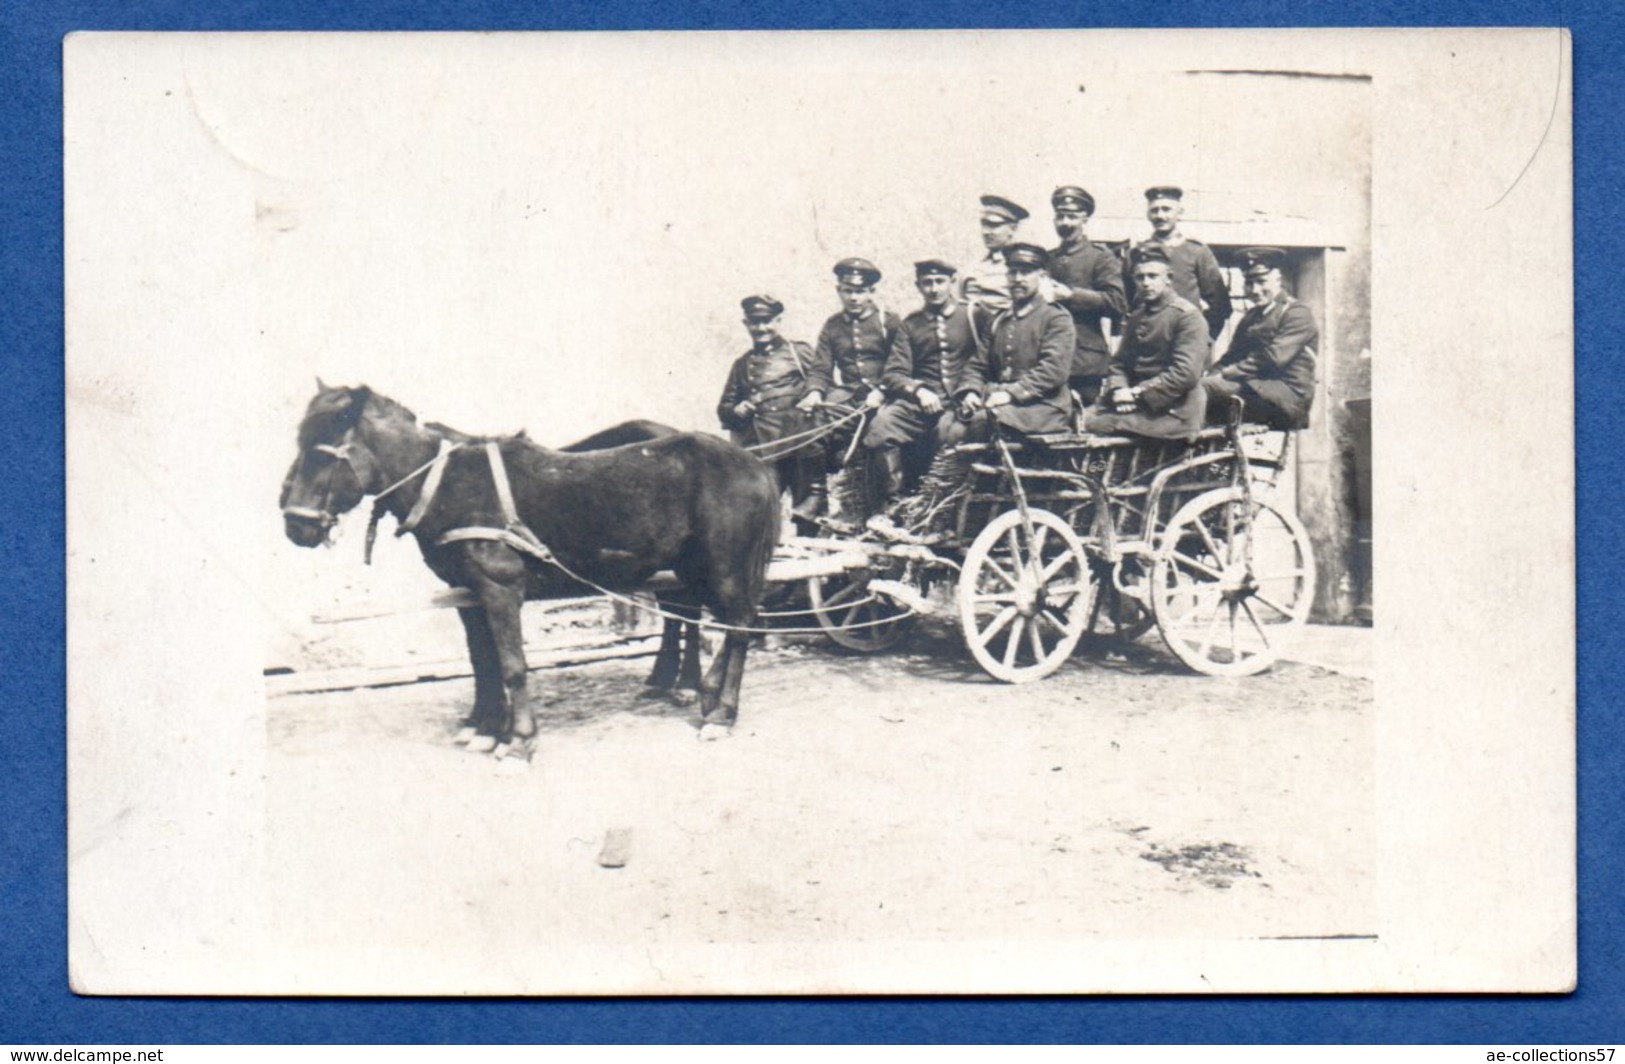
(1195, 276)
(1096, 279)
(1273, 350)
(774, 379)
(930, 350)
(854, 348)
(1163, 352)
(1029, 354)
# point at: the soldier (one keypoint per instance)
(759, 402)
(984, 285)
(847, 364)
(1154, 385)
(1271, 362)
(1020, 377)
(1193, 269)
(1088, 283)
(927, 357)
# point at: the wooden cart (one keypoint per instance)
(1062, 535)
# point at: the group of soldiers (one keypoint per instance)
(1021, 338)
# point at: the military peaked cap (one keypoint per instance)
(1258, 261)
(934, 268)
(1003, 209)
(1157, 192)
(761, 308)
(1148, 252)
(1026, 256)
(857, 271)
(1072, 198)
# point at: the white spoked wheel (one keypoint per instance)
(1232, 583)
(1024, 598)
(853, 616)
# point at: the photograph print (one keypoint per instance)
(792, 513)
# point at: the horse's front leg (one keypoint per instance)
(479, 728)
(498, 578)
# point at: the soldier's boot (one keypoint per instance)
(812, 505)
(888, 488)
(928, 512)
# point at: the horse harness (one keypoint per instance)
(324, 516)
(514, 533)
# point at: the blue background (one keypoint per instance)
(35, 1003)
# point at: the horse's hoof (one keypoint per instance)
(482, 744)
(711, 731)
(515, 751)
(464, 736)
(682, 697)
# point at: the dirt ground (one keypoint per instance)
(900, 798)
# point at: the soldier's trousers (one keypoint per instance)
(1269, 403)
(798, 472)
(902, 422)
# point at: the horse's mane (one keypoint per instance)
(329, 415)
(335, 410)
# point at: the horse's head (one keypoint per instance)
(334, 469)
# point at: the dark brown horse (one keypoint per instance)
(677, 664)
(688, 503)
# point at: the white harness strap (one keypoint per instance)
(499, 473)
(515, 534)
(515, 539)
(437, 470)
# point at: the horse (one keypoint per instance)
(511, 520)
(677, 663)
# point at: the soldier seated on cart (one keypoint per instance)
(1153, 387)
(847, 366)
(1270, 366)
(759, 402)
(1020, 378)
(928, 356)
(1017, 380)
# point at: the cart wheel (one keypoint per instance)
(1024, 604)
(855, 618)
(1232, 583)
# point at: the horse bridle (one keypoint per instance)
(324, 517)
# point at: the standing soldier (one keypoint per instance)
(928, 355)
(1088, 283)
(1154, 387)
(984, 285)
(1270, 366)
(1192, 269)
(758, 405)
(847, 364)
(1020, 377)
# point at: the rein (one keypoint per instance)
(517, 535)
(436, 468)
(785, 444)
